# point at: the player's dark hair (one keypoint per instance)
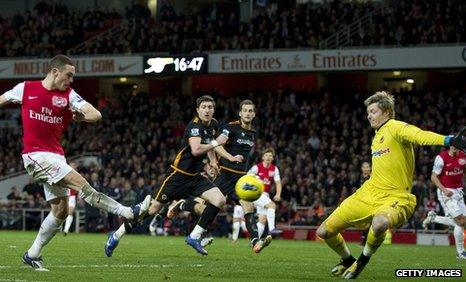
(246, 102)
(59, 62)
(269, 150)
(205, 98)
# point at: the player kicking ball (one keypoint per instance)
(47, 108)
(384, 201)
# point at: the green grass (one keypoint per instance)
(143, 258)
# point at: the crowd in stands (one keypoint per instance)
(54, 28)
(51, 29)
(321, 137)
(402, 23)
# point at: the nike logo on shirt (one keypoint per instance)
(32, 97)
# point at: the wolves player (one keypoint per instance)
(267, 172)
(185, 179)
(48, 106)
(384, 200)
(447, 175)
(239, 137)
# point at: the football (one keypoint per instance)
(249, 188)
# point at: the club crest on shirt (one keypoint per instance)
(462, 161)
(60, 102)
(195, 131)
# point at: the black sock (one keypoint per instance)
(251, 224)
(208, 216)
(347, 262)
(363, 259)
(163, 211)
(158, 217)
(188, 206)
(128, 226)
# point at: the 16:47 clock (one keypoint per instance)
(175, 65)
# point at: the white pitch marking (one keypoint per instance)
(112, 266)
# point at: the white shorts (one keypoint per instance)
(48, 169)
(238, 212)
(72, 201)
(454, 205)
(261, 202)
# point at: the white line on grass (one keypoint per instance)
(110, 265)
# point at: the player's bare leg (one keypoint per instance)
(49, 227)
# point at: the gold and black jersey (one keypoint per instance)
(240, 142)
(185, 162)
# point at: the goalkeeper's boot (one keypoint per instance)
(354, 270)
(342, 266)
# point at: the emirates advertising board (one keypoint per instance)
(339, 60)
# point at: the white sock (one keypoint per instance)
(68, 221)
(260, 229)
(445, 220)
(458, 233)
(49, 227)
(104, 202)
(271, 219)
(197, 232)
(235, 231)
(243, 225)
(119, 233)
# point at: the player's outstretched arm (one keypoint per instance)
(222, 140)
(459, 140)
(87, 113)
(3, 100)
(198, 149)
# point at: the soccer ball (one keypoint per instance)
(249, 188)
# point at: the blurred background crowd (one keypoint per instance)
(51, 28)
(321, 136)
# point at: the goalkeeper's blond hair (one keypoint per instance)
(384, 100)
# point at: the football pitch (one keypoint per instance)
(80, 257)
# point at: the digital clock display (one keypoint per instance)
(175, 65)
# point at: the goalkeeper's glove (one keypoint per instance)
(459, 140)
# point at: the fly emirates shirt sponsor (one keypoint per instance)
(45, 115)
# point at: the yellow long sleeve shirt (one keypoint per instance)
(393, 154)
